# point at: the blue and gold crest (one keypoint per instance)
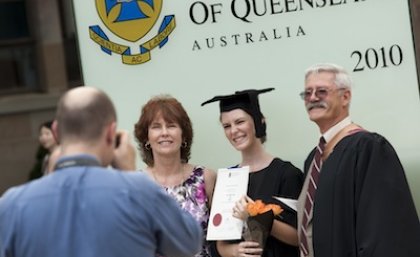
(131, 20)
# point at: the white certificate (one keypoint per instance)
(289, 202)
(231, 185)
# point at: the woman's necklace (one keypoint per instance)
(171, 181)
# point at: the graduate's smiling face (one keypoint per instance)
(239, 128)
(325, 103)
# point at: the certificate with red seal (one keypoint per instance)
(231, 185)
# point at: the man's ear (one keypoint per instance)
(347, 97)
(55, 132)
(111, 133)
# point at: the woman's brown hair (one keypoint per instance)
(171, 111)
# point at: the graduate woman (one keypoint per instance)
(245, 128)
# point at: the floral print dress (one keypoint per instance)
(192, 197)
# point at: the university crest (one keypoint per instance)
(131, 20)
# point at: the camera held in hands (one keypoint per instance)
(117, 140)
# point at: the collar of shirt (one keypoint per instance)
(329, 134)
(77, 160)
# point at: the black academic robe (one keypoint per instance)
(363, 205)
(283, 179)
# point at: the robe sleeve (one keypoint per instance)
(290, 188)
(385, 216)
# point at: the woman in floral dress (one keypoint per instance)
(164, 134)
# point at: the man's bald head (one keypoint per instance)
(83, 113)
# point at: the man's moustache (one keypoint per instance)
(313, 105)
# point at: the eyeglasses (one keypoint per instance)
(320, 92)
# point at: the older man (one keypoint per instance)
(355, 200)
(85, 209)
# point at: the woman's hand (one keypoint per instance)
(240, 210)
(249, 249)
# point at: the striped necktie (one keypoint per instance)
(310, 194)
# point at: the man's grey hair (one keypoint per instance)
(342, 78)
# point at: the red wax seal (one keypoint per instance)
(217, 219)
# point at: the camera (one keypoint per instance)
(117, 140)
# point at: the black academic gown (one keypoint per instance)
(363, 206)
(283, 179)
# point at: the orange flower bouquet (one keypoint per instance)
(260, 220)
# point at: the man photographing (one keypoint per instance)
(86, 209)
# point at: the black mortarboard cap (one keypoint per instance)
(246, 100)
